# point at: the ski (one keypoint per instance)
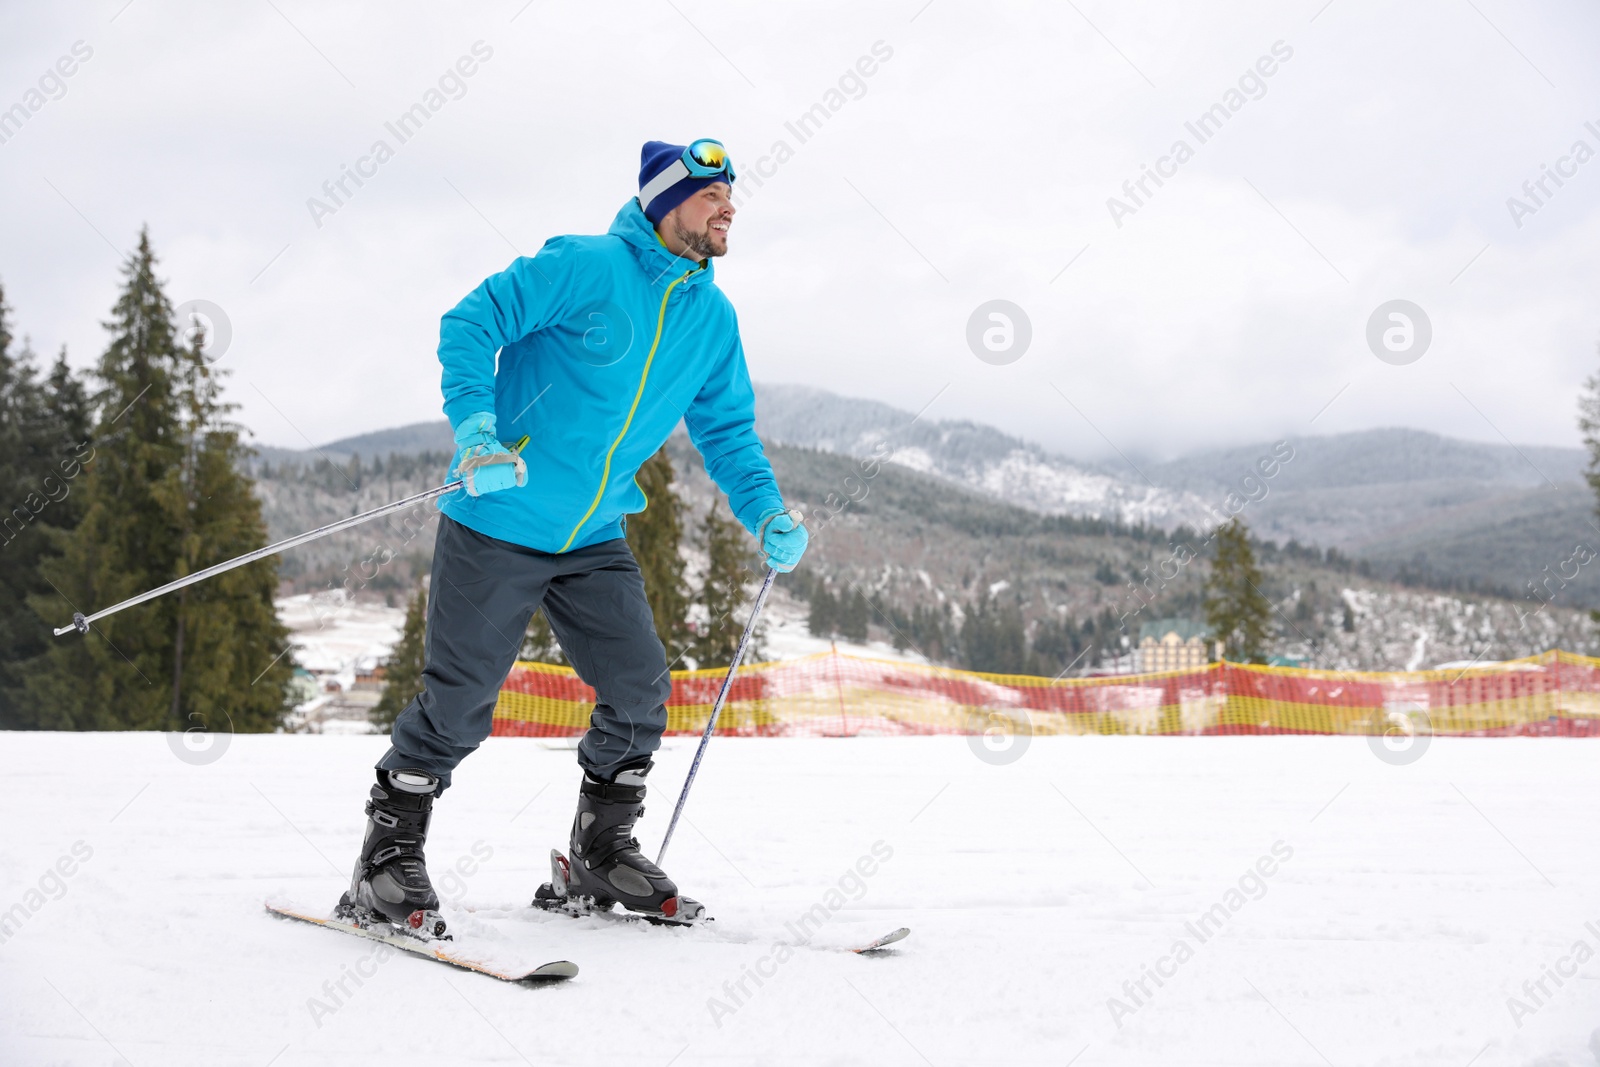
(440, 949)
(553, 896)
(882, 944)
(878, 946)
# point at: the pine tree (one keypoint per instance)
(655, 535)
(43, 442)
(932, 631)
(1055, 645)
(163, 498)
(402, 672)
(223, 626)
(69, 410)
(854, 613)
(539, 643)
(19, 542)
(730, 565)
(1589, 427)
(823, 618)
(994, 639)
(1237, 611)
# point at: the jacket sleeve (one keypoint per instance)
(722, 424)
(531, 293)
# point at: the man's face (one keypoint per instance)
(700, 224)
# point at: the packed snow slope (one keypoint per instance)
(1300, 900)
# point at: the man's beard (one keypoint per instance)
(698, 244)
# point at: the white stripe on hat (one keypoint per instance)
(672, 175)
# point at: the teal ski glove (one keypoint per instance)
(783, 539)
(483, 464)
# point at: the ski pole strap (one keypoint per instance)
(716, 710)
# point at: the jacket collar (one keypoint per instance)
(654, 259)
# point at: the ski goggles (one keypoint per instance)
(704, 158)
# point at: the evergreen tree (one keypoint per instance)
(1589, 427)
(70, 412)
(19, 543)
(822, 621)
(539, 643)
(1236, 609)
(164, 497)
(1055, 645)
(402, 672)
(994, 639)
(655, 535)
(42, 445)
(228, 621)
(722, 593)
(933, 632)
(854, 614)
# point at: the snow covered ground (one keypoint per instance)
(333, 633)
(1301, 900)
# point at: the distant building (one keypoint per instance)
(1173, 645)
(302, 686)
(369, 678)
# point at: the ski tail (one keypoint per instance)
(882, 943)
(443, 950)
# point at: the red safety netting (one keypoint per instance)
(835, 695)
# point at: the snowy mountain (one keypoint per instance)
(961, 511)
(970, 454)
(1416, 505)
(916, 541)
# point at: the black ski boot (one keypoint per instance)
(607, 867)
(390, 883)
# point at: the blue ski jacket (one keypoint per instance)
(604, 343)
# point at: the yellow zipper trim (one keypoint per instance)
(605, 476)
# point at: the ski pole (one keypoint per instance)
(80, 622)
(716, 709)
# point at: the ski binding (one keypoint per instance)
(554, 895)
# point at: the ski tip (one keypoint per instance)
(883, 942)
(558, 971)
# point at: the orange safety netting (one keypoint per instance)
(835, 695)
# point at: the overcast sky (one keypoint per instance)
(975, 162)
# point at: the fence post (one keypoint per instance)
(838, 685)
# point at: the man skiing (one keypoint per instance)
(604, 343)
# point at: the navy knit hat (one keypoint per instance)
(657, 156)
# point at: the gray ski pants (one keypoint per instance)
(482, 593)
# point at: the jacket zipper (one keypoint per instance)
(605, 475)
